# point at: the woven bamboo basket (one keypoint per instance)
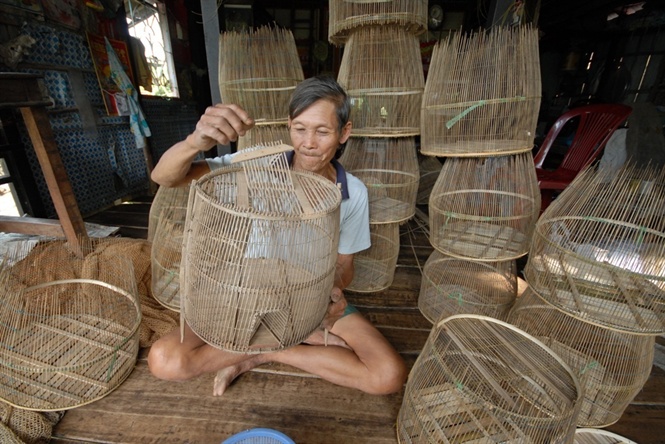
(598, 251)
(345, 16)
(264, 134)
(479, 379)
(259, 70)
(430, 168)
(485, 208)
(612, 366)
(168, 202)
(389, 169)
(482, 94)
(596, 436)
(165, 256)
(68, 326)
(259, 254)
(374, 268)
(382, 73)
(453, 286)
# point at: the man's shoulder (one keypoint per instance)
(355, 185)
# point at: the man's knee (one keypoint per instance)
(166, 362)
(391, 377)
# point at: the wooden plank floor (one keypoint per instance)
(309, 410)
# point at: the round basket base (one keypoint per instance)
(473, 148)
(480, 241)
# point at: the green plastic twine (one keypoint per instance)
(479, 103)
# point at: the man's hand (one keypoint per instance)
(220, 124)
(322, 335)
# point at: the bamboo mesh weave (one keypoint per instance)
(173, 201)
(430, 168)
(596, 436)
(598, 250)
(264, 134)
(479, 379)
(482, 94)
(612, 366)
(346, 16)
(484, 208)
(374, 268)
(382, 72)
(165, 257)
(68, 325)
(259, 70)
(389, 169)
(453, 286)
(259, 255)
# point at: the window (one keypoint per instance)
(148, 24)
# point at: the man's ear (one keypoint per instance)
(346, 132)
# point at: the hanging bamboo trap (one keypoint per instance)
(596, 436)
(264, 135)
(259, 70)
(170, 203)
(345, 16)
(382, 72)
(479, 379)
(484, 208)
(482, 94)
(68, 325)
(259, 253)
(453, 286)
(374, 268)
(389, 169)
(598, 251)
(430, 168)
(612, 366)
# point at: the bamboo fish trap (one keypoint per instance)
(453, 286)
(345, 16)
(430, 168)
(612, 366)
(259, 253)
(596, 436)
(263, 135)
(598, 252)
(374, 268)
(479, 379)
(482, 94)
(389, 169)
(484, 208)
(382, 73)
(168, 202)
(259, 70)
(68, 326)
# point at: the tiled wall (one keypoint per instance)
(101, 159)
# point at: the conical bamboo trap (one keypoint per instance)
(264, 134)
(389, 169)
(482, 94)
(598, 251)
(382, 72)
(596, 436)
(430, 168)
(169, 202)
(68, 326)
(259, 70)
(259, 254)
(374, 268)
(479, 379)
(484, 208)
(166, 254)
(612, 366)
(453, 286)
(346, 16)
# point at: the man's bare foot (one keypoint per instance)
(227, 375)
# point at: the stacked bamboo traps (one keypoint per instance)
(259, 253)
(453, 286)
(69, 326)
(612, 366)
(348, 15)
(374, 268)
(167, 223)
(485, 208)
(479, 379)
(482, 94)
(382, 73)
(598, 251)
(259, 70)
(389, 169)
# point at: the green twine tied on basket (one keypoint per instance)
(450, 123)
